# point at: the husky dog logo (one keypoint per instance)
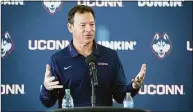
(161, 45)
(52, 6)
(6, 45)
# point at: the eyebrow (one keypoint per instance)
(89, 22)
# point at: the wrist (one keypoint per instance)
(136, 86)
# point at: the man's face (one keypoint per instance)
(83, 29)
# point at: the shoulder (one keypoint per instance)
(60, 54)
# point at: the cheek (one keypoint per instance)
(78, 34)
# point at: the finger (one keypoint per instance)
(143, 68)
(135, 84)
(134, 81)
(56, 86)
(47, 67)
(50, 79)
(53, 83)
(138, 83)
(142, 71)
(141, 78)
(138, 78)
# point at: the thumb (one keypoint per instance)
(47, 74)
(143, 67)
(143, 70)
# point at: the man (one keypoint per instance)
(68, 70)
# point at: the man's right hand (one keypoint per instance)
(49, 82)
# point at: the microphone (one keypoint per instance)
(91, 62)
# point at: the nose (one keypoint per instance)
(88, 28)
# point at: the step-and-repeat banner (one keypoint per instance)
(156, 33)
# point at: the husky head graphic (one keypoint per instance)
(161, 45)
(6, 45)
(52, 5)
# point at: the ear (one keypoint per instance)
(7, 36)
(69, 27)
(45, 3)
(156, 36)
(165, 36)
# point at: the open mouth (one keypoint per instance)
(161, 54)
(52, 8)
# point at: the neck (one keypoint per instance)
(83, 49)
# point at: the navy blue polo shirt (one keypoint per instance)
(70, 69)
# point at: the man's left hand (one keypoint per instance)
(138, 81)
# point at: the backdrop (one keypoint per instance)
(156, 33)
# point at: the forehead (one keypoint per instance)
(83, 17)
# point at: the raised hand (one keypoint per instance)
(49, 82)
(138, 81)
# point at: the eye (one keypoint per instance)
(92, 24)
(82, 25)
(163, 43)
(4, 42)
(158, 43)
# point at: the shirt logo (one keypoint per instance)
(65, 68)
(101, 63)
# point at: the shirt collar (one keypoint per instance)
(74, 53)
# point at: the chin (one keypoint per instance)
(87, 41)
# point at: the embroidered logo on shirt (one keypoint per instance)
(101, 63)
(65, 68)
